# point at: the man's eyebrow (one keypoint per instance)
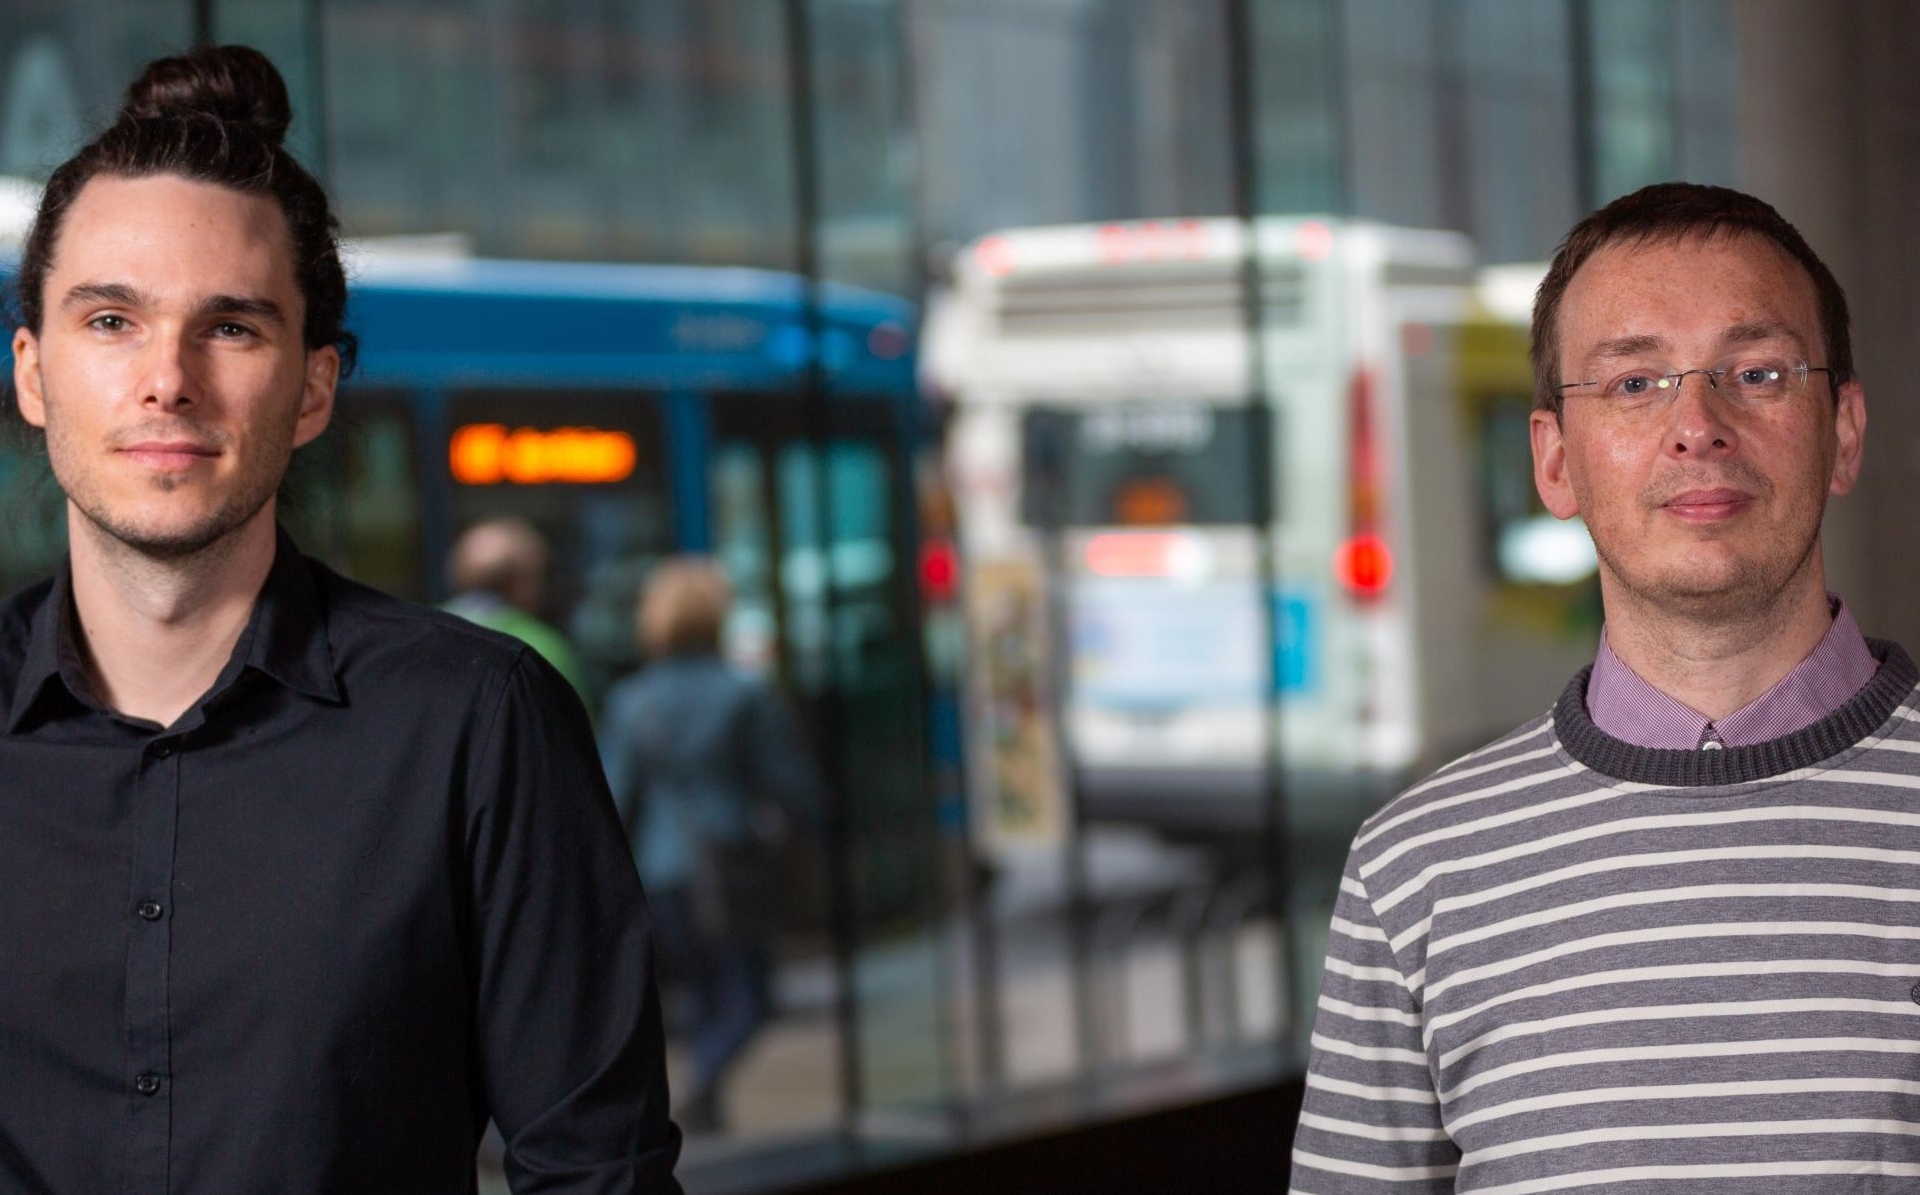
(118, 294)
(1626, 346)
(1755, 331)
(261, 309)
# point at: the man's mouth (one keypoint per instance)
(1707, 506)
(168, 455)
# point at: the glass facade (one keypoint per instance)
(1063, 644)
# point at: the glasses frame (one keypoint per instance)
(1673, 381)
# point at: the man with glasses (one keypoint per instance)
(1664, 936)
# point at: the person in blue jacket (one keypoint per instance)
(708, 773)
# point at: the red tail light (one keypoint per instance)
(1363, 563)
(939, 570)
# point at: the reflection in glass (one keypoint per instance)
(651, 132)
(1634, 76)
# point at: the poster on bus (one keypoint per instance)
(1018, 799)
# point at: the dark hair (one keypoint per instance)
(1666, 212)
(217, 115)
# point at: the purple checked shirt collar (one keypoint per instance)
(1633, 711)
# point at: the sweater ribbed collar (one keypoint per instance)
(1864, 713)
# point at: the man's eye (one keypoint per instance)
(108, 323)
(1634, 385)
(231, 331)
(1758, 375)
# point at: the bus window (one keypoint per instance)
(1143, 466)
(859, 553)
(744, 546)
(353, 496)
(33, 512)
(1523, 544)
(382, 521)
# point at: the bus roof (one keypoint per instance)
(476, 321)
(1148, 244)
(612, 281)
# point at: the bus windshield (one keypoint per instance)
(1143, 465)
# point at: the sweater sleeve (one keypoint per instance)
(1370, 1122)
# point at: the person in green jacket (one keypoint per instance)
(498, 573)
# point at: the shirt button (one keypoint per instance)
(147, 1084)
(1713, 745)
(150, 910)
(163, 750)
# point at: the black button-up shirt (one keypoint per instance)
(367, 892)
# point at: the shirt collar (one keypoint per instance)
(40, 665)
(290, 642)
(285, 638)
(1622, 704)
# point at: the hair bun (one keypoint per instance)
(235, 84)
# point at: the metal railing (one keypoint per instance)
(1202, 927)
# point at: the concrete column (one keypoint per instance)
(1830, 133)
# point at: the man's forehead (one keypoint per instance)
(1677, 250)
(167, 236)
(1635, 282)
(163, 207)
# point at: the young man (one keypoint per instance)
(299, 884)
(1661, 939)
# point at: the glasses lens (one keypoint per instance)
(1761, 380)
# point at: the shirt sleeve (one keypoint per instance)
(1370, 1120)
(619, 757)
(566, 1012)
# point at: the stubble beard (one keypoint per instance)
(1746, 587)
(203, 537)
(206, 536)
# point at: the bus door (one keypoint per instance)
(823, 557)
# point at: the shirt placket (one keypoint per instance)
(149, 1073)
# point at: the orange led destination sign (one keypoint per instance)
(492, 453)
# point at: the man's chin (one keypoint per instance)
(169, 539)
(1726, 590)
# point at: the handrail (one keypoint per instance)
(1114, 932)
(1201, 924)
(1237, 902)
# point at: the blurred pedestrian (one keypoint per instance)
(708, 775)
(498, 574)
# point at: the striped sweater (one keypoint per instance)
(1564, 963)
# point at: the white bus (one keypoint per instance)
(1106, 465)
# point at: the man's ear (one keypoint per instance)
(1850, 436)
(1550, 465)
(26, 377)
(316, 394)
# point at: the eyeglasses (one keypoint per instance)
(1752, 382)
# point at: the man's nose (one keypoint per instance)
(168, 377)
(1697, 424)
